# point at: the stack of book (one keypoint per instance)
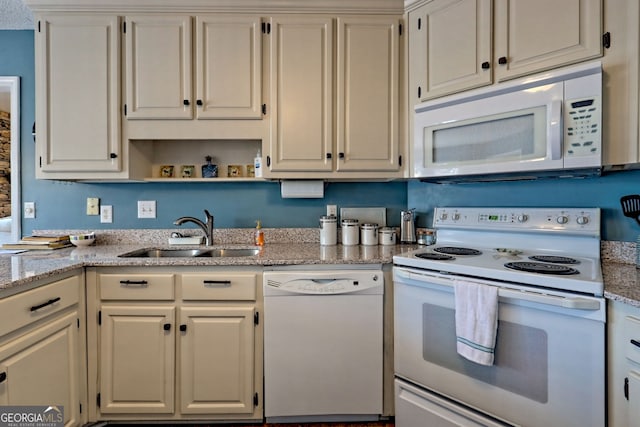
(39, 242)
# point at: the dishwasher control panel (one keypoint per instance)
(324, 282)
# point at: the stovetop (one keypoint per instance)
(566, 240)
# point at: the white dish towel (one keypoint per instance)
(476, 321)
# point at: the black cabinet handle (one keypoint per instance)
(329, 155)
(3, 376)
(502, 60)
(113, 155)
(186, 102)
(486, 65)
(183, 328)
(341, 155)
(44, 304)
(635, 342)
(166, 326)
(199, 102)
(626, 388)
(141, 283)
(268, 160)
(213, 283)
(419, 92)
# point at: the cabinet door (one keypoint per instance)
(301, 63)
(42, 368)
(137, 354)
(228, 67)
(536, 35)
(634, 399)
(78, 101)
(367, 103)
(158, 67)
(449, 47)
(216, 360)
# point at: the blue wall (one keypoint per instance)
(62, 204)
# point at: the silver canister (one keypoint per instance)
(369, 234)
(387, 236)
(350, 232)
(328, 230)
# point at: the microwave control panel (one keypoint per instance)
(583, 126)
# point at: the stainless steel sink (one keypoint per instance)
(190, 253)
(232, 252)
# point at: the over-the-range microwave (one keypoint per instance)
(549, 124)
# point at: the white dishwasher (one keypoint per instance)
(323, 344)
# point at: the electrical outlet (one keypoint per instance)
(106, 214)
(146, 208)
(29, 210)
(93, 206)
(332, 210)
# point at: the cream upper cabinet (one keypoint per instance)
(301, 135)
(449, 47)
(450, 41)
(227, 63)
(313, 133)
(158, 67)
(228, 67)
(77, 96)
(367, 134)
(620, 84)
(42, 348)
(537, 35)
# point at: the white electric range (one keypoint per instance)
(545, 263)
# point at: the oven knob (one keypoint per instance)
(582, 220)
(562, 219)
(443, 216)
(455, 216)
(522, 218)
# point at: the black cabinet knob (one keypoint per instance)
(502, 60)
(186, 102)
(166, 326)
(199, 102)
(3, 376)
(183, 328)
(486, 65)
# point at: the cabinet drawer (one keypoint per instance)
(21, 309)
(219, 286)
(136, 286)
(632, 334)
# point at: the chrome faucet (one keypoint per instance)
(207, 227)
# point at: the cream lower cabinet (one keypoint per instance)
(176, 344)
(623, 331)
(77, 74)
(456, 45)
(316, 134)
(42, 349)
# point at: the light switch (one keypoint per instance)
(93, 206)
(106, 214)
(146, 208)
(29, 209)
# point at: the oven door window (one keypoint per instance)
(520, 364)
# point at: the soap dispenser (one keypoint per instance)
(258, 234)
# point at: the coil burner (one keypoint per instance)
(435, 257)
(542, 268)
(554, 259)
(452, 250)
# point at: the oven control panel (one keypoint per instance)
(572, 220)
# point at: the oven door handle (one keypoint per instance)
(576, 303)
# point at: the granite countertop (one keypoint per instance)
(19, 270)
(284, 247)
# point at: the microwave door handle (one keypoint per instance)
(555, 131)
